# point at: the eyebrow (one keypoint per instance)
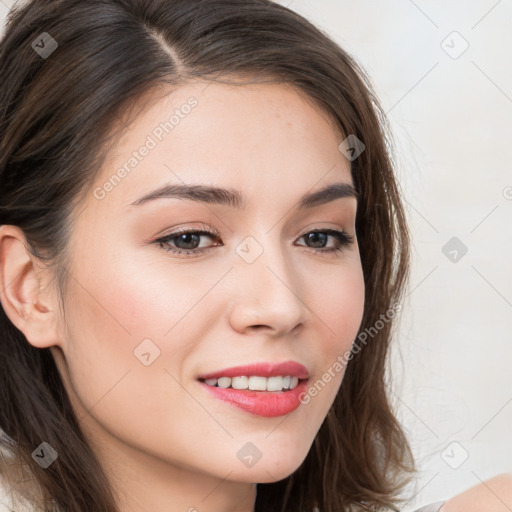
(235, 199)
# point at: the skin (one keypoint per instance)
(165, 443)
(493, 495)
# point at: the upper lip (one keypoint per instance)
(264, 369)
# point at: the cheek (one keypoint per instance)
(125, 309)
(338, 300)
(109, 312)
(107, 326)
(339, 305)
(137, 300)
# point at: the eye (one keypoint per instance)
(320, 236)
(186, 242)
(179, 241)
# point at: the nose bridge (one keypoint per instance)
(269, 291)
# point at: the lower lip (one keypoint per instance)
(261, 403)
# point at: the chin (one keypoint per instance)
(268, 471)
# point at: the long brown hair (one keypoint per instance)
(57, 115)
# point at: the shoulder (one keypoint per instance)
(493, 494)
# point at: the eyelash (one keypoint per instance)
(344, 240)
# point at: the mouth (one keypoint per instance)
(263, 389)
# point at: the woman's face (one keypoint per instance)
(144, 320)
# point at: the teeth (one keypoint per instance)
(274, 383)
(224, 382)
(240, 382)
(255, 383)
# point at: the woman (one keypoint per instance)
(191, 192)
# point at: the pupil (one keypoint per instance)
(183, 237)
(313, 236)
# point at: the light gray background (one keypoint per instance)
(451, 115)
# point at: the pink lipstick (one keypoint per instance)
(278, 400)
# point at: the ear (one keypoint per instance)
(25, 295)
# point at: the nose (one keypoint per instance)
(269, 294)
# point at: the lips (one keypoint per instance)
(259, 403)
(264, 369)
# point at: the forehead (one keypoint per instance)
(267, 138)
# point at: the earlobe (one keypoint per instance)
(23, 292)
